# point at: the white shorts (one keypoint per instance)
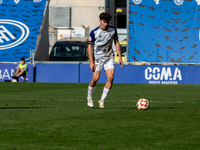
(106, 64)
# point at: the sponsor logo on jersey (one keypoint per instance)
(178, 2)
(37, 1)
(90, 38)
(164, 75)
(12, 33)
(137, 1)
(16, 1)
(157, 2)
(1, 1)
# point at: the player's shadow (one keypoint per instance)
(22, 107)
(129, 108)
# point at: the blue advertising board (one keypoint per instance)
(164, 31)
(156, 74)
(145, 74)
(7, 71)
(57, 73)
(20, 22)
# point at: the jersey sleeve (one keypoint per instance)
(116, 35)
(25, 68)
(91, 39)
(17, 66)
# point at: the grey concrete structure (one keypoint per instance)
(83, 12)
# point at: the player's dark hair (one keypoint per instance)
(22, 59)
(105, 16)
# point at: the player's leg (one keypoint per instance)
(18, 71)
(110, 76)
(110, 71)
(16, 75)
(93, 82)
(108, 85)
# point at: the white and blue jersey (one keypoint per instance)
(102, 41)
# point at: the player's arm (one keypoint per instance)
(117, 45)
(118, 48)
(90, 53)
(91, 41)
(19, 74)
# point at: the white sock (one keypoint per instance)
(105, 93)
(90, 91)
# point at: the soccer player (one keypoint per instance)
(100, 40)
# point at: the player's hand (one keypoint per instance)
(121, 62)
(92, 67)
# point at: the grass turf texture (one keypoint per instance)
(45, 116)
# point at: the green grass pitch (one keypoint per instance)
(54, 116)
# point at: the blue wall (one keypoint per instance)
(146, 74)
(7, 71)
(80, 73)
(57, 73)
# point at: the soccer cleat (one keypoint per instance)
(101, 104)
(16, 78)
(90, 102)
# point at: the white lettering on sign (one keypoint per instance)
(16, 1)
(177, 74)
(37, 1)
(162, 74)
(156, 73)
(198, 2)
(178, 2)
(6, 74)
(157, 1)
(166, 74)
(137, 1)
(3, 32)
(22, 32)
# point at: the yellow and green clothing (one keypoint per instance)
(23, 67)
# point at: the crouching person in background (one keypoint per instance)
(22, 69)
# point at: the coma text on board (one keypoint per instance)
(163, 75)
